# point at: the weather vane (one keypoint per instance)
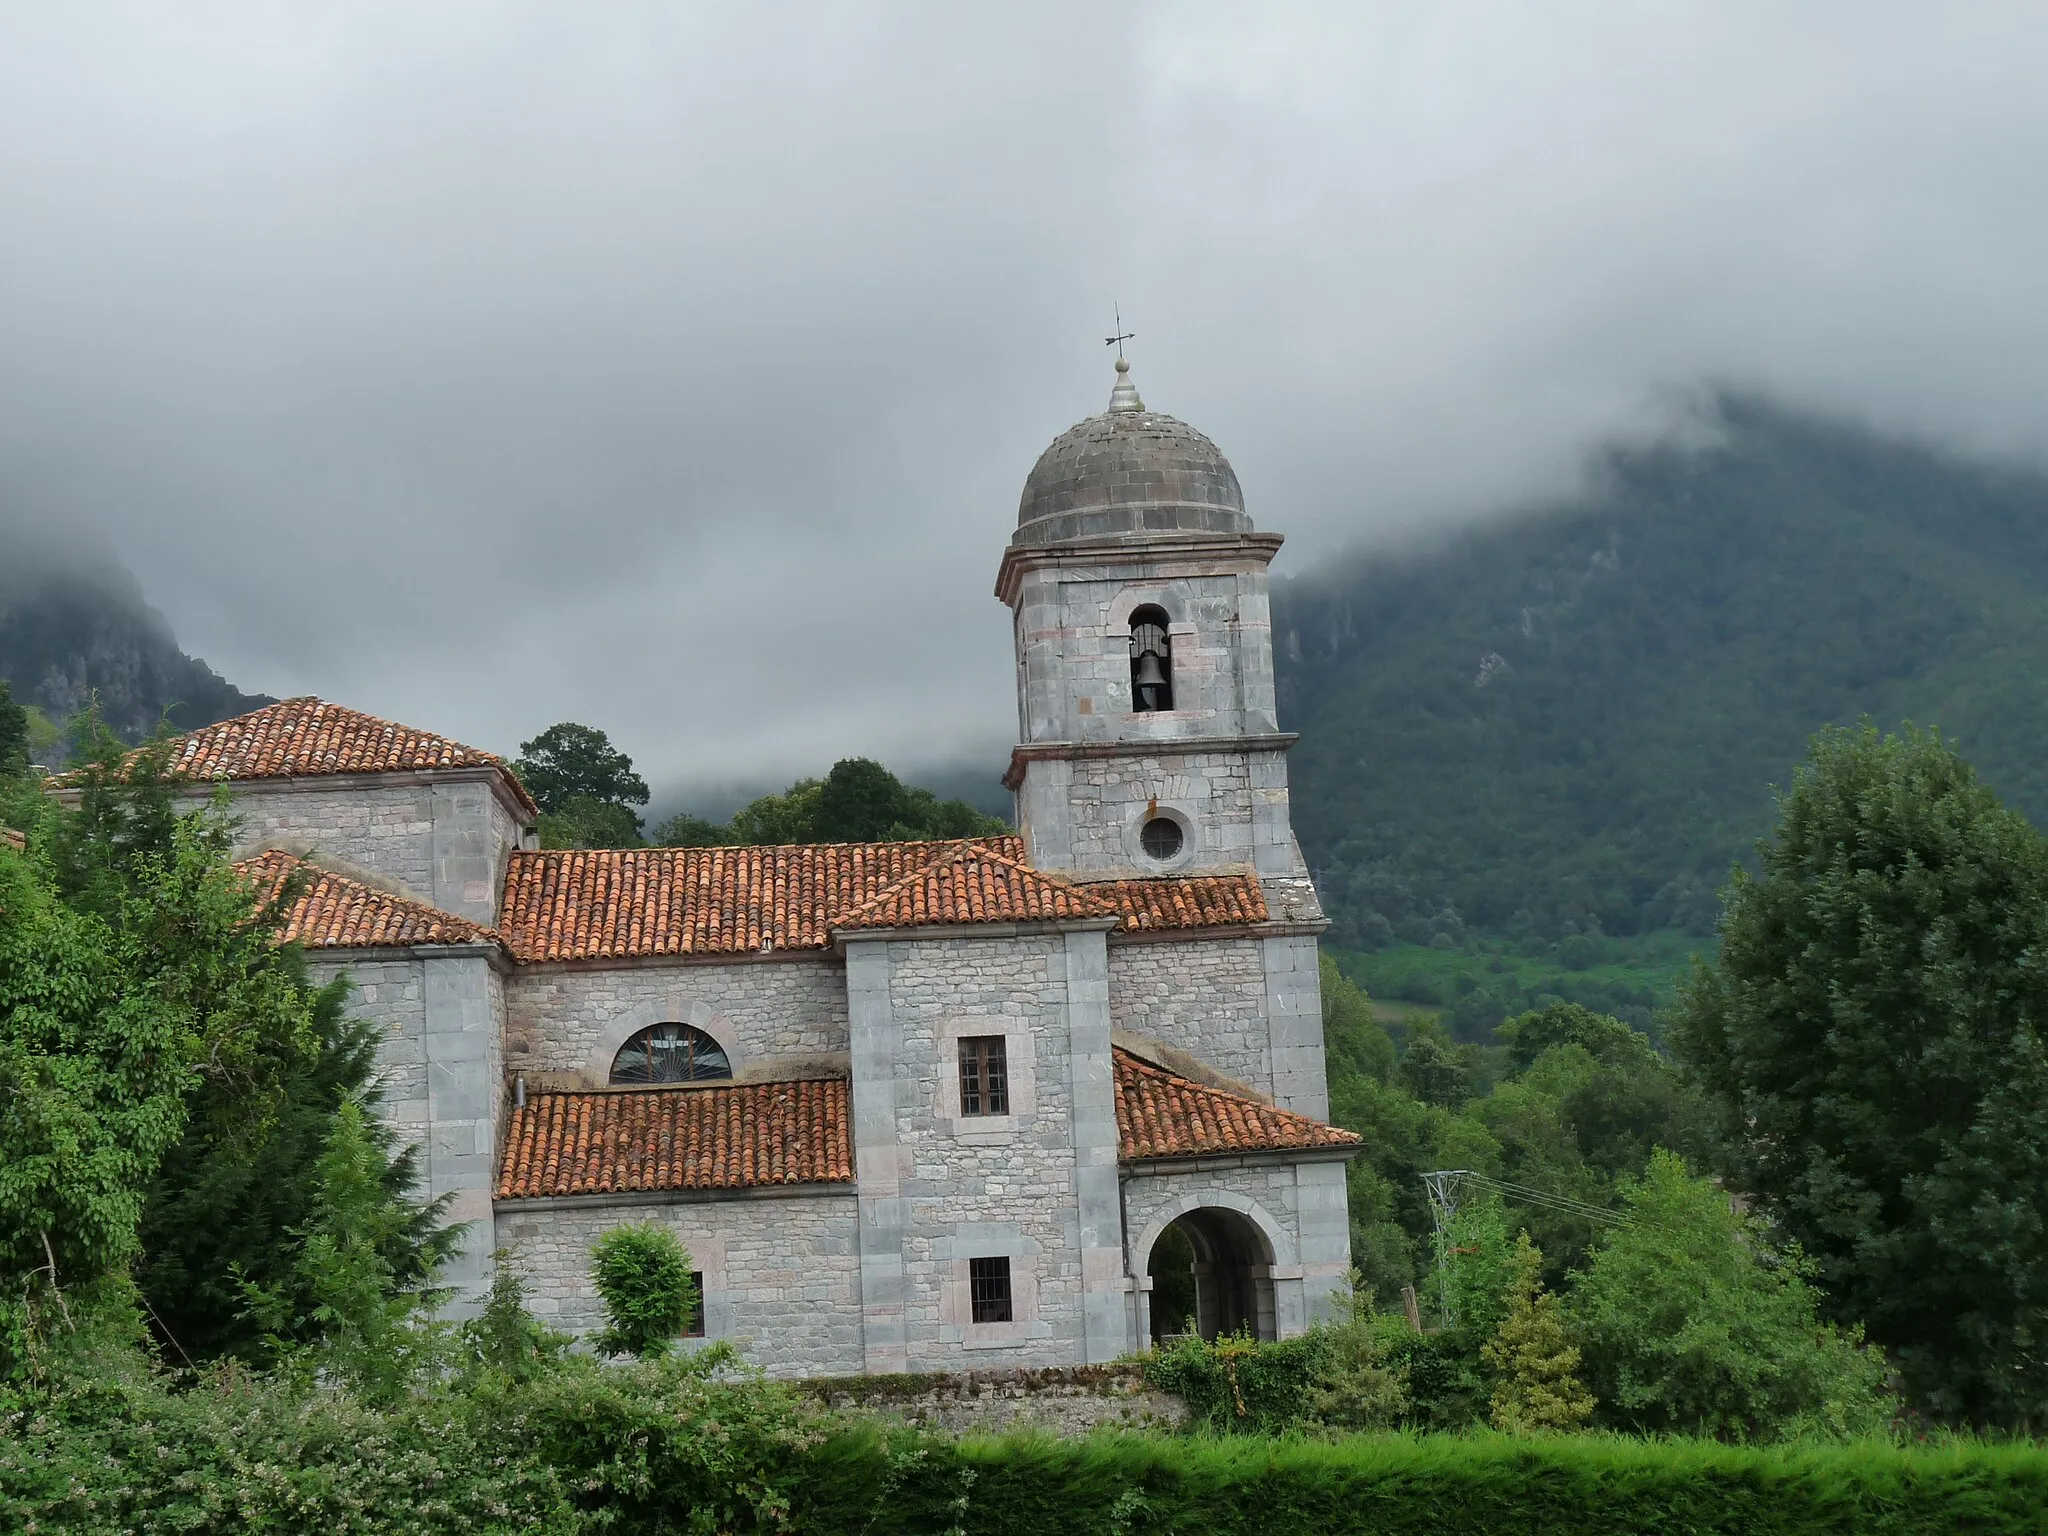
(1121, 335)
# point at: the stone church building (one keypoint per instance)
(909, 1106)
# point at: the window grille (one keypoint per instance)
(694, 1329)
(1160, 838)
(984, 1076)
(670, 1053)
(988, 1289)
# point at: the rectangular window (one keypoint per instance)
(695, 1330)
(988, 1289)
(984, 1076)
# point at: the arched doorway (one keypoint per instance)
(1212, 1268)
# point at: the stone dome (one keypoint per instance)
(1129, 471)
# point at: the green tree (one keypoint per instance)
(643, 1276)
(1538, 1388)
(859, 801)
(227, 1199)
(1691, 1322)
(271, 1059)
(586, 823)
(585, 787)
(1875, 1036)
(13, 734)
(96, 1057)
(364, 1319)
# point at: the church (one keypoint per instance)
(910, 1106)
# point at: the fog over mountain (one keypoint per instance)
(676, 368)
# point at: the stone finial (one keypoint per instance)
(1125, 396)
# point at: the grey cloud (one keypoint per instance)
(676, 369)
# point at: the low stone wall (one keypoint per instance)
(1060, 1400)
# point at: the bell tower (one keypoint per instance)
(1147, 736)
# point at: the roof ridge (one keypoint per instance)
(308, 736)
(936, 843)
(961, 849)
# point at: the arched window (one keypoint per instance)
(670, 1053)
(1151, 660)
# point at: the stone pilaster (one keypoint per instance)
(877, 1156)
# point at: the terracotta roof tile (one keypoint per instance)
(612, 903)
(609, 903)
(335, 912)
(1159, 1114)
(971, 883)
(304, 737)
(750, 1135)
(745, 1135)
(1183, 901)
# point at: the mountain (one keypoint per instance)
(77, 626)
(1570, 722)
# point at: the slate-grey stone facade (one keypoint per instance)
(872, 1273)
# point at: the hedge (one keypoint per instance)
(1435, 1485)
(652, 1450)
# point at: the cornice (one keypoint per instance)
(1019, 560)
(1180, 746)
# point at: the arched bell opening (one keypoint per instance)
(1212, 1274)
(1151, 660)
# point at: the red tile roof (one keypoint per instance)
(970, 883)
(335, 912)
(740, 1136)
(749, 1135)
(1183, 901)
(307, 736)
(1159, 1114)
(611, 903)
(607, 903)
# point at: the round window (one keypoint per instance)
(1160, 838)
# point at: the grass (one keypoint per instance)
(1476, 986)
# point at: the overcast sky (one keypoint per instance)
(676, 369)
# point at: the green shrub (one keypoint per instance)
(643, 1274)
(1237, 1385)
(1395, 1485)
(1447, 1388)
(680, 1445)
(1691, 1322)
(1358, 1387)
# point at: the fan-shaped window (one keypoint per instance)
(1151, 660)
(670, 1053)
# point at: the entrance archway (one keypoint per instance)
(1213, 1269)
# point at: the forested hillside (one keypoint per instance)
(76, 627)
(1570, 722)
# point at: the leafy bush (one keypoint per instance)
(643, 1275)
(1236, 1384)
(1691, 1322)
(680, 1445)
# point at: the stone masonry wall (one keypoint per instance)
(781, 1275)
(1084, 813)
(445, 844)
(1073, 635)
(975, 1188)
(572, 1019)
(392, 992)
(387, 830)
(1207, 998)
